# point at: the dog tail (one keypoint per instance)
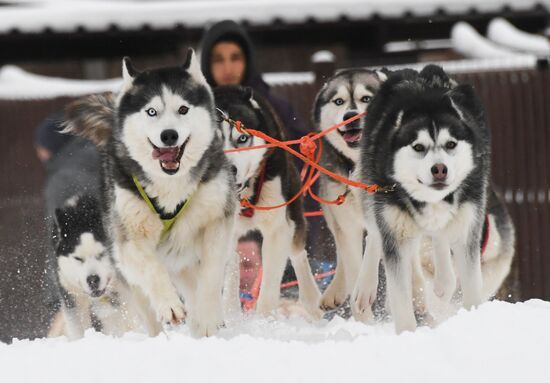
(91, 117)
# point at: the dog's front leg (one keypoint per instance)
(231, 289)
(206, 314)
(444, 277)
(468, 267)
(275, 252)
(335, 294)
(74, 328)
(398, 256)
(142, 268)
(366, 286)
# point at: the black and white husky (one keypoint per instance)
(170, 192)
(268, 177)
(342, 97)
(91, 292)
(428, 136)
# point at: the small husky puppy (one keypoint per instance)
(80, 269)
(92, 293)
(268, 177)
(169, 189)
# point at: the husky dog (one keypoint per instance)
(268, 177)
(170, 192)
(343, 96)
(428, 136)
(92, 293)
(87, 285)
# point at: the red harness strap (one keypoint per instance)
(248, 212)
(486, 231)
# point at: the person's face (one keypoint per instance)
(227, 63)
(250, 263)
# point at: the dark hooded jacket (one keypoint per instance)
(48, 133)
(230, 31)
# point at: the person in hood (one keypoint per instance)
(227, 58)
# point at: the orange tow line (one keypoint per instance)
(310, 154)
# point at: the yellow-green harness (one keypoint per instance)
(166, 223)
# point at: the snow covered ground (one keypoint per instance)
(498, 342)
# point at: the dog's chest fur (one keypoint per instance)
(351, 211)
(181, 246)
(271, 195)
(440, 218)
(435, 216)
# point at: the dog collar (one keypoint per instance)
(248, 212)
(167, 223)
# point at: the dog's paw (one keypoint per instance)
(207, 326)
(313, 310)
(172, 313)
(310, 299)
(266, 307)
(361, 302)
(334, 296)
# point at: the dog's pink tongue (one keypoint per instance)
(352, 136)
(165, 154)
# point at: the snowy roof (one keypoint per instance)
(32, 16)
(17, 84)
(477, 65)
(504, 33)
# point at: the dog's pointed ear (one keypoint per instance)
(91, 117)
(193, 67)
(129, 72)
(467, 105)
(381, 74)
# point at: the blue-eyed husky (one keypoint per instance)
(169, 190)
(268, 177)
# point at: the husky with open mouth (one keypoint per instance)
(170, 192)
(344, 96)
(428, 135)
(267, 177)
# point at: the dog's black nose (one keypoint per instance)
(439, 172)
(349, 115)
(93, 281)
(169, 137)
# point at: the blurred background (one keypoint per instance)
(54, 51)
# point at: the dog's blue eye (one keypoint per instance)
(366, 99)
(339, 101)
(242, 138)
(419, 148)
(151, 112)
(450, 145)
(79, 259)
(183, 109)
